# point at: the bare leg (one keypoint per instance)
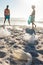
(4, 24)
(4, 21)
(33, 25)
(9, 21)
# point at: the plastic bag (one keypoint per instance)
(29, 19)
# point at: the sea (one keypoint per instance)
(20, 21)
(13, 21)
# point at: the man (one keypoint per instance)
(7, 14)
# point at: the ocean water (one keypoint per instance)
(20, 21)
(14, 21)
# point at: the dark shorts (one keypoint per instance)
(7, 17)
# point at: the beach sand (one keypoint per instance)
(22, 42)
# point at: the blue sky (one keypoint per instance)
(15, 7)
(12, 5)
(22, 8)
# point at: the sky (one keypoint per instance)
(22, 8)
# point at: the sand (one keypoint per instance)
(20, 45)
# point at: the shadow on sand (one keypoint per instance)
(30, 48)
(30, 31)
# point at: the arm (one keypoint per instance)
(9, 12)
(4, 12)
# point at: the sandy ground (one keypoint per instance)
(22, 42)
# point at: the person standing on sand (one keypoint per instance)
(33, 16)
(7, 14)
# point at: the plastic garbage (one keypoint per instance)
(29, 19)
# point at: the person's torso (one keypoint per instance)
(33, 13)
(7, 12)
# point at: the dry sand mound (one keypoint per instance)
(21, 55)
(4, 32)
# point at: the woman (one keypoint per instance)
(33, 16)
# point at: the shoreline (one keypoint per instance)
(40, 26)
